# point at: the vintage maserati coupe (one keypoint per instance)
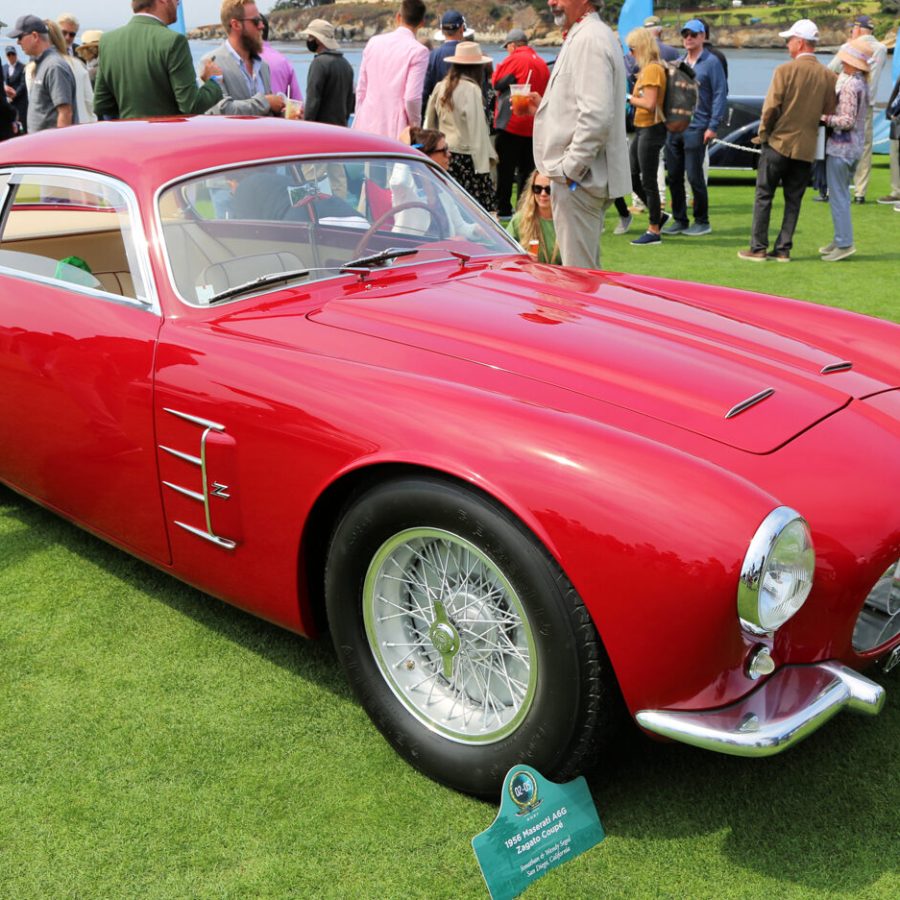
(298, 368)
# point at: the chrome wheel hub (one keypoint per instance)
(449, 635)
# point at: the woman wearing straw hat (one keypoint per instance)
(89, 51)
(844, 147)
(456, 108)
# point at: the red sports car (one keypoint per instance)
(299, 368)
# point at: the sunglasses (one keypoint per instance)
(70, 34)
(256, 20)
(540, 189)
(690, 33)
(441, 150)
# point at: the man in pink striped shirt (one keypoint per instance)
(392, 75)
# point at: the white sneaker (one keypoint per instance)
(828, 248)
(624, 225)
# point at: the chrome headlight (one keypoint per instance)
(777, 573)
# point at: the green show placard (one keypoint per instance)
(540, 826)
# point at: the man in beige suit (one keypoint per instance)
(579, 130)
(801, 92)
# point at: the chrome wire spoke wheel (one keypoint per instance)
(450, 635)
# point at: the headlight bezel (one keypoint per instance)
(779, 526)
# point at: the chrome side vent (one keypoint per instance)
(836, 367)
(202, 496)
(744, 405)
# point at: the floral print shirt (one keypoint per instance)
(848, 121)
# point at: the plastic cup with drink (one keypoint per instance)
(293, 109)
(519, 98)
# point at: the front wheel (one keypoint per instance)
(461, 637)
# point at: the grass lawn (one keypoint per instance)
(865, 282)
(156, 743)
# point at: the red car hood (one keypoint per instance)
(666, 359)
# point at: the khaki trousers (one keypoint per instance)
(895, 169)
(864, 166)
(578, 218)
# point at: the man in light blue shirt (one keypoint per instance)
(685, 152)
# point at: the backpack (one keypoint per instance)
(681, 95)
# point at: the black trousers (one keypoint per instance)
(515, 163)
(644, 156)
(793, 177)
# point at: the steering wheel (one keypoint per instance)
(412, 204)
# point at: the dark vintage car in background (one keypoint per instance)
(738, 128)
(297, 367)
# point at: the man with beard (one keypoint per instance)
(146, 68)
(246, 83)
(579, 130)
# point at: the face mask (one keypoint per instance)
(312, 45)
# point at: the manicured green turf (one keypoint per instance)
(866, 282)
(157, 743)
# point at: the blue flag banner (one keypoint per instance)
(178, 24)
(632, 16)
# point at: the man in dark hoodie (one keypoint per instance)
(329, 84)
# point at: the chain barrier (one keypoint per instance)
(736, 146)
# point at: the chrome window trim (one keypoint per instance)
(135, 236)
(307, 158)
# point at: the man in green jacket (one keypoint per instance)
(146, 68)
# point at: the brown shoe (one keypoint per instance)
(779, 257)
(752, 255)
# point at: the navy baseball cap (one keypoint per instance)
(451, 20)
(864, 22)
(27, 24)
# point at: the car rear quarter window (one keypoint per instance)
(71, 229)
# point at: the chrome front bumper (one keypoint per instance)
(792, 704)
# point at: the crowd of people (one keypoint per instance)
(567, 143)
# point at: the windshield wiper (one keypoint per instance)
(272, 278)
(377, 259)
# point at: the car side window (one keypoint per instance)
(70, 229)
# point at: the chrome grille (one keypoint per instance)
(879, 619)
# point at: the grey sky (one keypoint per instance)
(106, 14)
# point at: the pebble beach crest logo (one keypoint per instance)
(523, 791)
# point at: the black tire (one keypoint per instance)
(502, 615)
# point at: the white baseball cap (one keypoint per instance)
(805, 29)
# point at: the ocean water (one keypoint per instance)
(749, 71)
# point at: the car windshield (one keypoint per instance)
(258, 227)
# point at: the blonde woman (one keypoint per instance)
(650, 129)
(456, 108)
(533, 220)
(84, 91)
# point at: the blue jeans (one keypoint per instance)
(840, 175)
(685, 153)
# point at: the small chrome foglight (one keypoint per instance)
(777, 573)
(760, 663)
